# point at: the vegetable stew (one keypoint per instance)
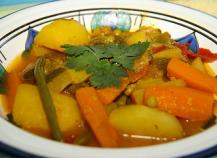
(110, 88)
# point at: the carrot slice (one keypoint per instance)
(108, 95)
(13, 81)
(193, 77)
(94, 112)
(184, 102)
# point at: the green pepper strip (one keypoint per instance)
(47, 100)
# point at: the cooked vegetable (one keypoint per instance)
(109, 108)
(136, 75)
(184, 102)
(29, 114)
(209, 70)
(108, 95)
(67, 77)
(137, 96)
(122, 100)
(148, 82)
(129, 89)
(60, 32)
(151, 101)
(198, 64)
(95, 114)
(129, 86)
(46, 99)
(152, 82)
(174, 82)
(161, 64)
(140, 67)
(143, 34)
(38, 50)
(158, 48)
(54, 74)
(205, 54)
(106, 35)
(141, 120)
(13, 81)
(193, 77)
(106, 64)
(28, 74)
(170, 53)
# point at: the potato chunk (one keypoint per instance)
(29, 114)
(67, 77)
(60, 32)
(142, 120)
(145, 33)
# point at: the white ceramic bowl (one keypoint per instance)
(178, 20)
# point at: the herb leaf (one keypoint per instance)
(125, 56)
(106, 64)
(106, 74)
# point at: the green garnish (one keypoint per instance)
(106, 64)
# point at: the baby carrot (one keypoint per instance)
(107, 95)
(94, 112)
(183, 102)
(193, 77)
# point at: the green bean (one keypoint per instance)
(46, 99)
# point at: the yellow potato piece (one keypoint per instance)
(198, 64)
(142, 120)
(149, 34)
(65, 78)
(60, 32)
(170, 53)
(40, 50)
(29, 114)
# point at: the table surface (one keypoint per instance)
(9, 6)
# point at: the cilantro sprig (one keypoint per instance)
(106, 64)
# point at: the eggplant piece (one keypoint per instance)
(28, 74)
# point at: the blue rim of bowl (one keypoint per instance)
(12, 151)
